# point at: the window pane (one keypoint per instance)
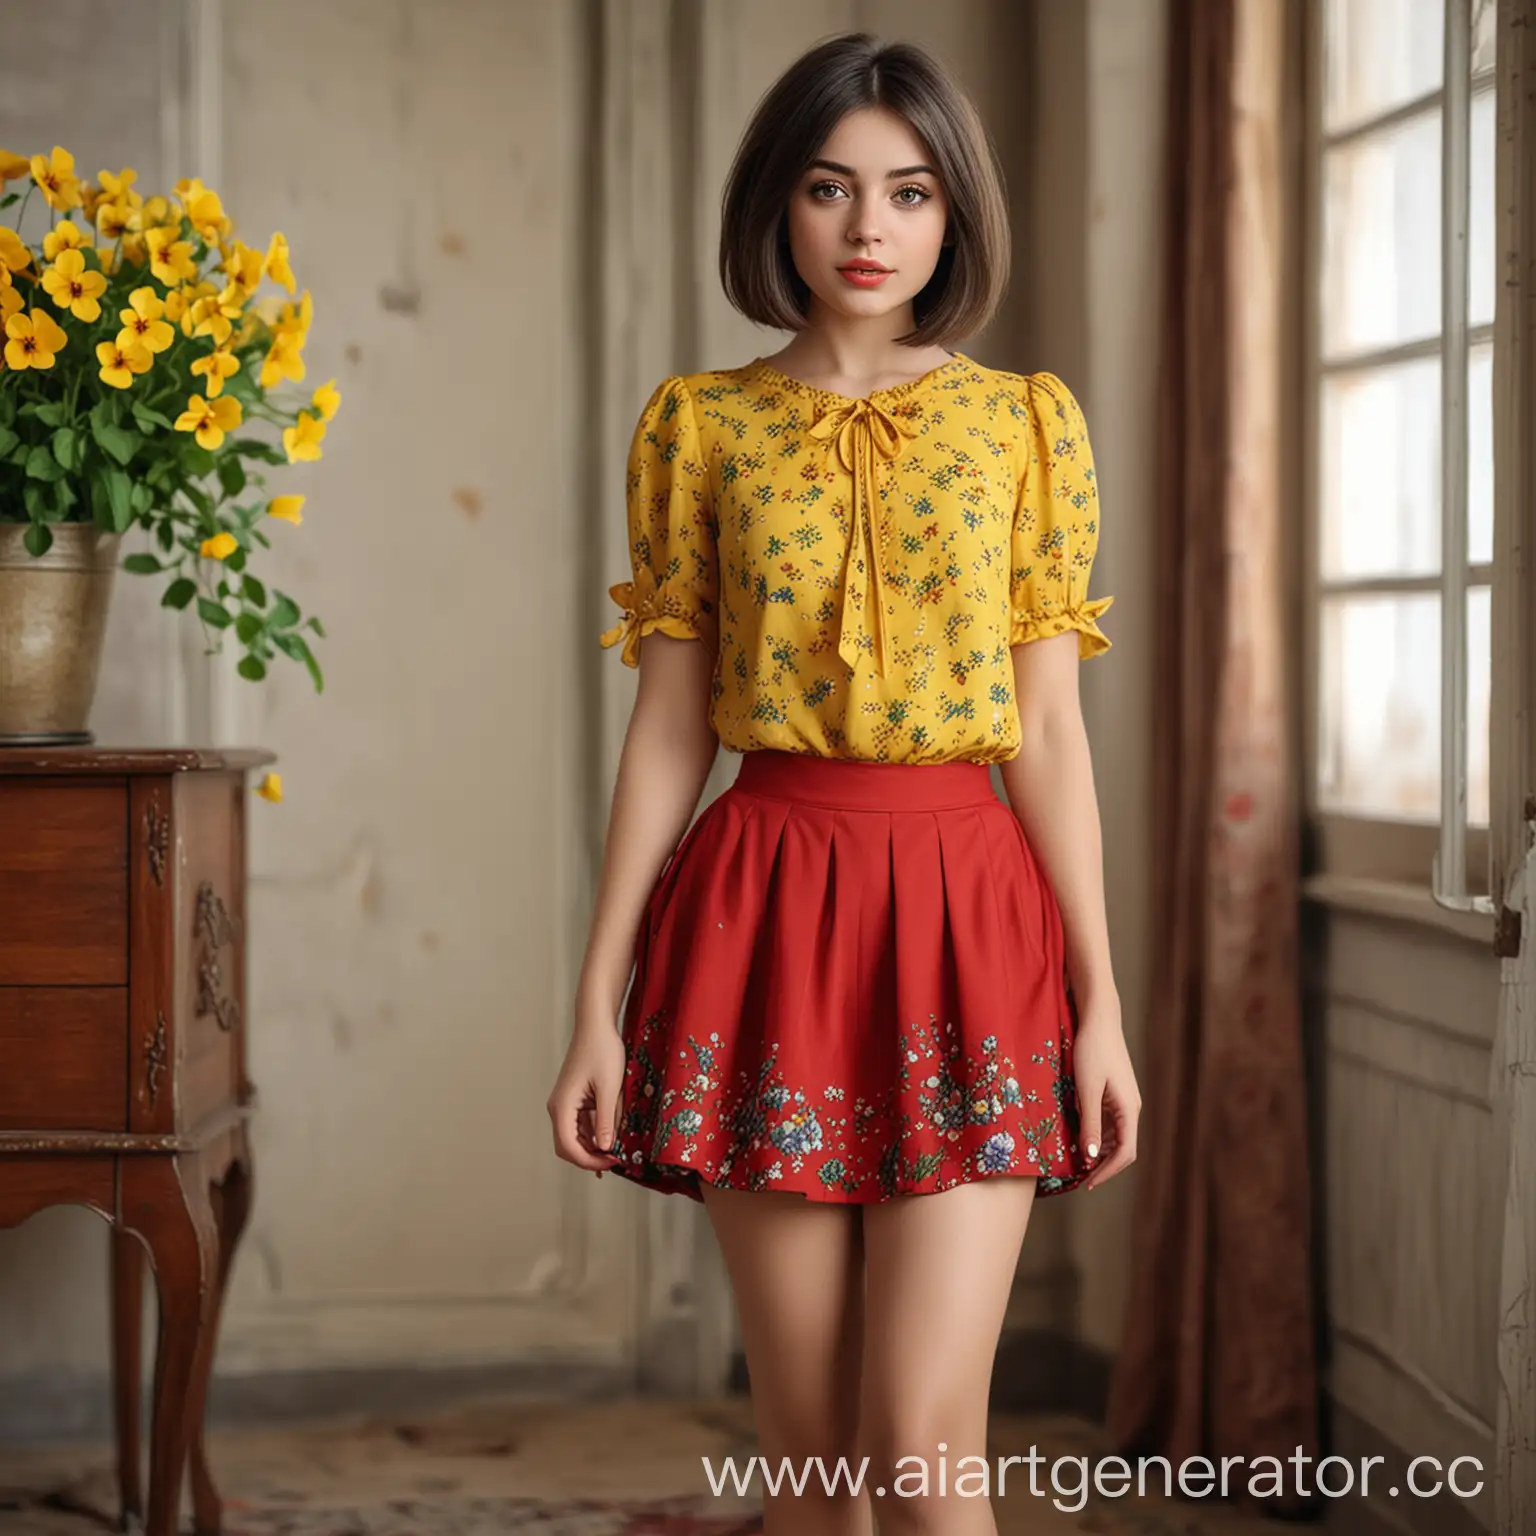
(1380, 467)
(1479, 454)
(1483, 29)
(1479, 689)
(1379, 729)
(1379, 491)
(1481, 273)
(1377, 54)
(1381, 238)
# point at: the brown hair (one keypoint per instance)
(791, 123)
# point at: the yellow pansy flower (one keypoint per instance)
(277, 262)
(284, 360)
(10, 302)
(72, 287)
(170, 259)
(206, 318)
(33, 340)
(14, 255)
(220, 547)
(327, 400)
(66, 235)
(114, 220)
(288, 508)
(217, 366)
(119, 362)
(204, 208)
(210, 419)
(271, 787)
(244, 266)
(120, 187)
(303, 441)
(55, 174)
(13, 167)
(142, 322)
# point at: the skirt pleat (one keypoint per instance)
(849, 985)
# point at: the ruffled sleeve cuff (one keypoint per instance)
(1033, 624)
(647, 608)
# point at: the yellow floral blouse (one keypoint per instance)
(861, 567)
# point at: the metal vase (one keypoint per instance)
(53, 616)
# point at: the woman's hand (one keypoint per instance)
(584, 1103)
(1108, 1099)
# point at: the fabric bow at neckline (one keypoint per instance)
(863, 433)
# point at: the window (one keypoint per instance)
(1401, 281)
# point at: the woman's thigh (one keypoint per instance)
(796, 1268)
(940, 1269)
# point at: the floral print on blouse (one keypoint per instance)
(861, 567)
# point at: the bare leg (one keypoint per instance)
(796, 1271)
(940, 1269)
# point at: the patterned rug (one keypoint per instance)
(482, 1517)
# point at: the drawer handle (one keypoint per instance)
(217, 928)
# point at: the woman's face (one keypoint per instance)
(869, 196)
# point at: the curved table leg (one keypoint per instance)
(127, 1271)
(165, 1201)
(232, 1208)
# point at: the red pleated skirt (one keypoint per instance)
(849, 985)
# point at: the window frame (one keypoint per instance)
(1349, 857)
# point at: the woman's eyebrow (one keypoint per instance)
(848, 170)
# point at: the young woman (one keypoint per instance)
(872, 1015)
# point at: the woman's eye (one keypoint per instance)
(922, 194)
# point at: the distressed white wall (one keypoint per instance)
(419, 899)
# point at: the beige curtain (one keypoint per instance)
(1219, 1355)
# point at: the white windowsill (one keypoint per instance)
(1398, 902)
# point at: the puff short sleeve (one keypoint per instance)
(1056, 524)
(672, 550)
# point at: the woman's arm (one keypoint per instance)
(668, 750)
(1051, 790)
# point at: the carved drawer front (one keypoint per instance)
(210, 943)
(65, 1051)
(64, 883)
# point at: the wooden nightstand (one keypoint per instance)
(123, 1080)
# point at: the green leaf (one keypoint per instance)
(248, 626)
(165, 535)
(254, 448)
(253, 592)
(295, 646)
(66, 447)
(314, 624)
(8, 441)
(214, 613)
(120, 498)
(34, 498)
(285, 612)
(9, 198)
(251, 667)
(142, 565)
(196, 459)
(115, 441)
(147, 418)
(51, 413)
(179, 593)
(41, 464)
(231, 475)
(38, 539)
(64, 497)
(143, 497)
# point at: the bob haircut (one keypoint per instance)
(790, 124)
